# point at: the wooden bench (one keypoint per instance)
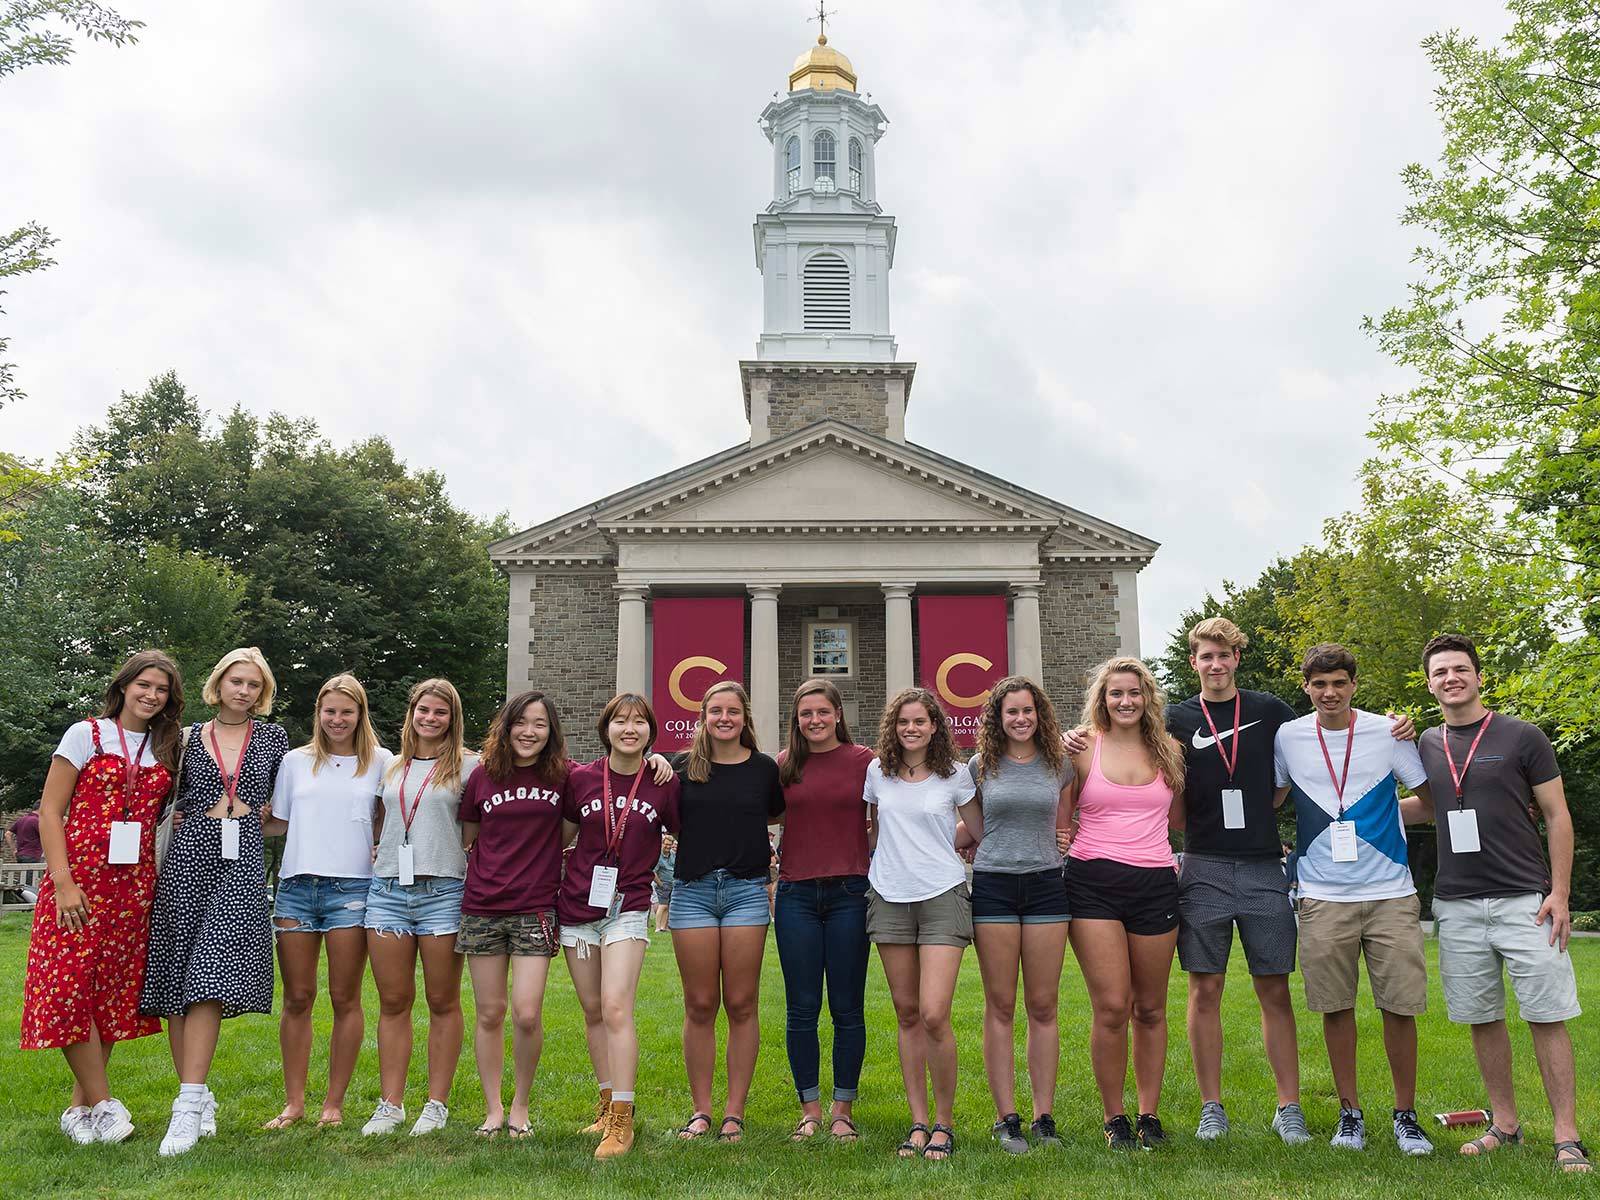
(16, 876)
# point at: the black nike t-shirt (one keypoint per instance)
(1206, 775)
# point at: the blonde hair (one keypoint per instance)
(698, 769)
(246, 654)
(1217, 629)
(448, 773)
(366, 738)
(1163, 751)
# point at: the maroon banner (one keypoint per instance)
(963, 655)
(698, 640)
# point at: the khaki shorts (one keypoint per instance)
(523, 935)
(942, 920)
(1334, 934)
(1479, 937)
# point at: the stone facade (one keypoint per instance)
(856, 398)
(572, 649)
(1078, 624)
(863, 692)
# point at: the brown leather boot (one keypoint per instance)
(599, 1124)
(619, 1136)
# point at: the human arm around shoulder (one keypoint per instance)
(660, 768)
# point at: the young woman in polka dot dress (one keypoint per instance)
(87, 955)
(211, 933)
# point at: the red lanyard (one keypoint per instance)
(405, 817)
(134, 765)
(230, 783)
(614, 835)
(1349, 743)
(1216, 737)
(1459, 778)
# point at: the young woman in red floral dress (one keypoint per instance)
(97, 822)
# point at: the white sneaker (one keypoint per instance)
(1352, 1131)
(111, 1121)
(386, 1118)
(434, 1115)
(208, 1115)
(184, 1129)
(78, 1124)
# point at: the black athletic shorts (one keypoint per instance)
(1034, 898)
(1144, 899)
(1215, 894)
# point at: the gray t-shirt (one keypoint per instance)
(1019, 815)
(435, 833)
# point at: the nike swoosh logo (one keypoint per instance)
(1200, 743)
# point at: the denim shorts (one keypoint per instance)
(1034, 898)
(426, 908)
(318, 903)
(718, 899)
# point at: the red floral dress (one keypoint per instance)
(78, 978)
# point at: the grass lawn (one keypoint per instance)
(243, 1161)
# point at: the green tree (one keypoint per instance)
(1254, 609)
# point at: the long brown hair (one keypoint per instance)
(448, 773)
(698, 769)
(794, 759)
(366, 738)
(1162, 749)
(941, 745)
(499, 760)
(164, 726)
(992, 737)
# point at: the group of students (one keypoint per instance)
(497, 858)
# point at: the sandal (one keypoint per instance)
(518, 1132)
(1480, 1145)
(909, 1148)
(281, 1121)
(943, 1151)
(1578, 1163)
(737, 1134)
(689, 1133)
(487, 1131)
(801, 1133)
(850, 1134)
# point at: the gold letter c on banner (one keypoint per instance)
(941, 680)
(675, 680)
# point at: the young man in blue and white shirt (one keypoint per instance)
(1342, 767)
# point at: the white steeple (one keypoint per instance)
(824, 246)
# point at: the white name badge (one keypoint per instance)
(1343, 836)
(124, 846)
(408, 864)
(603, 887)
(230, 837)
(1232, 808)
(1464, 831)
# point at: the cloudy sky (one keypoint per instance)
(1136, 238)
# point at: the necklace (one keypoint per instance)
(220, 721)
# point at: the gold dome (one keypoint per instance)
(823, 68)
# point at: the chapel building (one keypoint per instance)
(827, 544)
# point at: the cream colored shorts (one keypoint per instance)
(1479, 937)
(1336, 934)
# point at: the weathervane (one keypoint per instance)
(822, 22)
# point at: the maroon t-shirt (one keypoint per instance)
(655, 807)
(26, 829)
(515, 865)
(825, 823)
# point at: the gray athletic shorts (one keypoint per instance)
(1214, 894)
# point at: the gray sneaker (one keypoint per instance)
(1008, 1132)
(1213, 1121)
(1289, 1123)
(1352, 1131)
(1408, 1134)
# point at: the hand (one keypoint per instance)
(177, 819)
(1063, 840)
(72, 906)
(1404, 730)
(967, 853)
(1555, 908)
(662, 769)
(374, 852)
(1075, 741)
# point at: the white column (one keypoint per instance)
(898, 669)
(1127, 585)
(519, 631)
(764, 663)
(1025, 623)
(633, 671)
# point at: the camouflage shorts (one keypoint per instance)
(527, 935)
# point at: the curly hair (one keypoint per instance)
(992, 736)
(1163, 751)
(498, 758)
(941, 745)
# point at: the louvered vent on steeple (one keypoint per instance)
(826, 293)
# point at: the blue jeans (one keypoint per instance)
(821, 927)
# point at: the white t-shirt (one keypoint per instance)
(329, 814)
(1381, 870)
(916, 855)
(77, 744)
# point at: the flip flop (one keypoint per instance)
(488, 1131)
(281, 1121)
(689, 1133)
(330, 1122)
(737, 1135)
(518, 1132)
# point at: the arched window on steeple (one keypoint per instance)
(791, 162)
(855, 165)
(824, 157)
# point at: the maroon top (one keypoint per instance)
(825, 827)
(655, 807)
(26, 829)
(515, 865)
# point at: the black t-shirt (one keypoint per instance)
(723, 821)
(1206, 775)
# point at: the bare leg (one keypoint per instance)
(1339, 1033)
(488, 972)
(1552, 1046)
(699, 954)
(620, 964)
(1044, 948)
(88, 1061)
(1101, 948)
(940, 966)
(1278, 1035)
(903, 971)
(585, 974)
(529, 973)
(347, 963)
(1400, 1043)
(298, 955)
(394, 971)
(1205, 1032)
(742, 949)
(999, 956)
(201, 1025)
(441, 985)
(1150, 963)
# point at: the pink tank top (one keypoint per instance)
(1122, 822)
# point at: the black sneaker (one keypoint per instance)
(1119, 1133)
(1008, 1132)
(1044, 1130)
(1151, 1134)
